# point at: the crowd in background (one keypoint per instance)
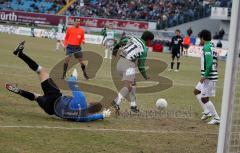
(166, 13)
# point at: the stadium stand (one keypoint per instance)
(39, 6)
(167, 13)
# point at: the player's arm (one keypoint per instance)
(94, 117)
(66, 38)
(121, 43)
(141, 65)
(89, 118)
(181, 44)
(208, 63)
(83, 37)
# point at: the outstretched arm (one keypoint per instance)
(94, 117)
(118, 45)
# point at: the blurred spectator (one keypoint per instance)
(219, 44)
(221, 34)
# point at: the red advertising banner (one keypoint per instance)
(26, 17)
(47, 19)
(114, 23)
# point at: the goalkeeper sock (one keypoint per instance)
(27, 95)
(31, 63)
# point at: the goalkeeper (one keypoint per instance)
(73, 108)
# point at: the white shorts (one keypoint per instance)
(207, 88)
(60, 36)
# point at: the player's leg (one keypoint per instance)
(106, 52)
(122, 94)
(110, 52)
(197, 93)
(26, 94)
(69, 52)
(65, 65)
(210, 88)
(178, 62)
(51, 91)
(132, 96)
(58, 45)
(79, 57)
(209, 91)
(127, 71)
(30, 62)
(173, 58)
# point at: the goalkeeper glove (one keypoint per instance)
(106, 113)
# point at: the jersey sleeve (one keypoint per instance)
(83, 36)
(66, 38)
(141, 64)
(208, 61)
(89, 118)
(121, 43)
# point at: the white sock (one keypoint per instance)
(204, 107)
(132, 96)
(57, 46)
(122, 94)
(39, 69)
(106, 53)
(212, 109)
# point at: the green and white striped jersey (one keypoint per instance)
(134, 49)
(209, 61)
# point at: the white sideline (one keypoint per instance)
(110, 130)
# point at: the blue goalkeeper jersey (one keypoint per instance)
(74, 108)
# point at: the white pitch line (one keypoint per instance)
(110, 130)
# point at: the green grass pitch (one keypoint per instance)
(25, 128)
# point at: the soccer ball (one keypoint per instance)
(161, 103)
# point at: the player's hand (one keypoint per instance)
(106, 113)
(202, 79)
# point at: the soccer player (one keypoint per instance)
(133, 51)
(60, 35)
(176, 47)
(109, 44)
(73, 40)
(104, 33)
(73, 108)
(206, 87)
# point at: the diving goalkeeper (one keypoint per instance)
(73, 108)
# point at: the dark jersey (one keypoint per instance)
(176, 44)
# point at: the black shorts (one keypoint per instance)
(186, 46)
(175, 54)
(51, 95)
(75, 50)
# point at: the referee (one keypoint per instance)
(175, 47)
(73, 40)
